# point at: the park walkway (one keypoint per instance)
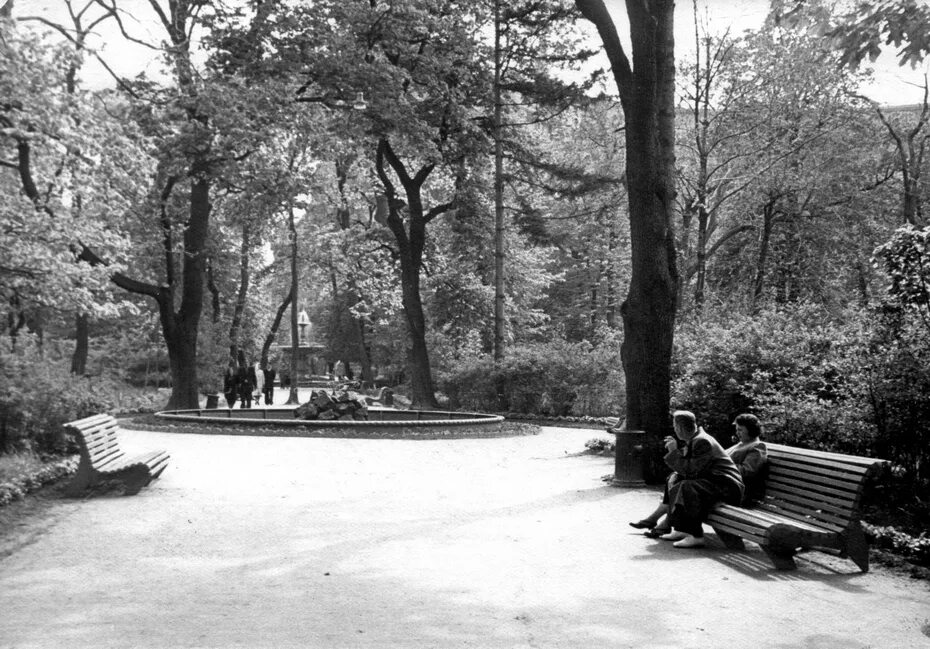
(511, 542)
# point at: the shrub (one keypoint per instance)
(555, 379)
(29, 474)
(38, 394)
(600, 445)
(915, 548)
(789, 367)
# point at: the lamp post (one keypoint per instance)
(295, 340)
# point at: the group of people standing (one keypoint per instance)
(247, 382)
(704, 474)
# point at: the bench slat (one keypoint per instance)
(842, 490)
(832, 470)
(806, 516)
(742, 531)
(101, 444)
(781, 449)
(89, 421)
(817, 511)
(93, 428)
(766, 518)
(826, 511)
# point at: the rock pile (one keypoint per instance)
(342, 405)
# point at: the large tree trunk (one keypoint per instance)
(499, 296)
(768, 223)
(292, 395)
(647, 95)
(364, 353)
(411, 238)
(180, 328)
(422, 393)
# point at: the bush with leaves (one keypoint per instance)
(555, 378)
(38, 394)
(789, 366)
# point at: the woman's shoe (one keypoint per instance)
(657, 532)
(643, 524)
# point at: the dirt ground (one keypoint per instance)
(508, 542)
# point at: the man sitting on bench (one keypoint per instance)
(750, 456)
(705, 474)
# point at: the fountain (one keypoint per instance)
(279, 421)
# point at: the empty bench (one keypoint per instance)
(102, 457)
(812, 501)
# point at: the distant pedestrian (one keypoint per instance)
(246, 379)
(269, 384)
(230, 384)
(339, 369)
(259, 388)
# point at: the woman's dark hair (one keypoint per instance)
(750, 423)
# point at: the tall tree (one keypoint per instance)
(646, 85)
(536, 46)
(203, 125)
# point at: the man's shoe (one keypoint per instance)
(674, 535)
(690, 541)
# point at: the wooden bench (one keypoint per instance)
(811, 501)
(102, 458)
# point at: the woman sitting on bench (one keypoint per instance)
(708, 470)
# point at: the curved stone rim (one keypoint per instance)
(258, 417)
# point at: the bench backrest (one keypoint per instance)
(816, 486)
(97, 438)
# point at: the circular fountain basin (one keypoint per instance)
(381, 423)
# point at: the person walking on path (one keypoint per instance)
(230, 384)
(269, 376)
(259, 388)
(246, 379)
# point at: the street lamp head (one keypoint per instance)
(360, 103)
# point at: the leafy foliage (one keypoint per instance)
(555, 379)
(863, 32)
(38, 394)
(905, 258)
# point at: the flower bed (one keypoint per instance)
(17, 488)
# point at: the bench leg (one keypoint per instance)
(783, 559)
(134, 481)
(732, 541)
(857, 547)
(83, 479)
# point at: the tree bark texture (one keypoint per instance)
(646, 89)
(273, 331)
(81, 346)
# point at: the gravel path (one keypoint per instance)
(508, 542)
